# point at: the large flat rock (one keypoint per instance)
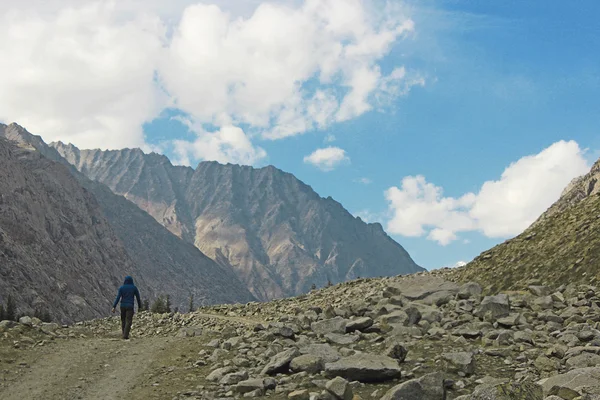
(364, 368)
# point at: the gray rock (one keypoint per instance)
(359, 324)
(27, 321)
(340, 339)
(364, 367)
(307, 362)
(469, 290)
(573, 379)
(280, 362)
(325, 351)
(583, 360)
(190, 331)
(339, 388)
(332, 325)
(250, 385)
(498, 306)
(428, 387)
(539, 290)
(461, 361)
(396, 351)
(233, 378)
(219, 373)
(6, 325)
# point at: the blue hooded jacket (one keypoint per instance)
(126, 294)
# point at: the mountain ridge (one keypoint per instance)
(275, 230)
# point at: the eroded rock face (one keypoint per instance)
(277, 233)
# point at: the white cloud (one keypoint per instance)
(364, 181)
(228, 144)
(82, 75)
(93, 74)
(502, 208)
(455, 265)
(328, 158)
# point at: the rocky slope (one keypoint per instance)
(161, 262)
(412, 338)
(563, 245)
(57, 251)
(278, 234)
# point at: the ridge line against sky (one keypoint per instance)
(455, 124)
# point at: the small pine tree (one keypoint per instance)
(46, 316)
(10, 312)
(191, 305)
(168, 304)
(146, 305)
(329, 284)
(1, 312)
(313, 287)
(158, 307)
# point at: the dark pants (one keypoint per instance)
(126, 321)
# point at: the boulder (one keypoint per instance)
(364, 367)
(325, 351)
(498, 306)
(339, 388)
(461, 361)
(428, 387)
(340, 339)
(469, 290)
(307, 362)
(280, 362)
(359, 324)
(332, 325)
(573, 379)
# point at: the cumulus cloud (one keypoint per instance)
(228, 144)
(501, 208)
(93, 74)
(328, 158)
(82, 75)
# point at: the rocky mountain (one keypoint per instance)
(57, 251)
(160, 262)
(563, 245)
(278, 234)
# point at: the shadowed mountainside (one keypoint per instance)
(161, 262)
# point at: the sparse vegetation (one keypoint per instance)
(191, 307)
(564, 247)
(10, 310)
(161, 305)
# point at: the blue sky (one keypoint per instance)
(506, 80)
(501, 81)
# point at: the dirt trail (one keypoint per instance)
(96, 368)
(87, 369)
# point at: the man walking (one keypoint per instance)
(126, 294)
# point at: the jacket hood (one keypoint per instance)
(128, 280)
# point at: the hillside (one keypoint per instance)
(563, 245)
(161, 262)
(57, 251)
(413, 337)
(279, 235)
